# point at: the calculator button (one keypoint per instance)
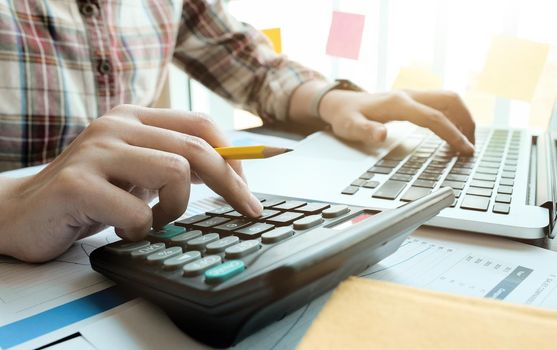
(143, 252)
(191, 220)
(233, 225)
(335, 211)
(220, 211)
(126, 247)
(167, 232)
(197, 267)
(233, 215)
(199, 243)
(181, 259)
(217, 220)
(288, 205)
(242, 249)
(221, 244)
(254, 230)
(307, 222)
(312, 208)
(272, 202)
(277, 234)
(182, 239)
(224, 271)
(284, 219)
(267, 213)
(162, 255)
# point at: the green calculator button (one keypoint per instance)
(167, 232)
(224, 271)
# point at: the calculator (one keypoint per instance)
(221, 276)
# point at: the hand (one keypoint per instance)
(99, 179)
(359, 116)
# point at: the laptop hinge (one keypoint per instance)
(545, 186)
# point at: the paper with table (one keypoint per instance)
(433, 259)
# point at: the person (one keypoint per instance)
(78, 80)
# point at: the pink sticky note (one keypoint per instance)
(345, 35)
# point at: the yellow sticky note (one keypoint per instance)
(417, 78)
(513, 67)
(274, 35)
(545, 94)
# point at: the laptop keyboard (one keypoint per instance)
(424, 162)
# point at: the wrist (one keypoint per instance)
(9, 209)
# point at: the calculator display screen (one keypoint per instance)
(353, 220)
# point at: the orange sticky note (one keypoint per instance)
(274, 35)
(345, 35)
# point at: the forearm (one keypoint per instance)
(8, 191)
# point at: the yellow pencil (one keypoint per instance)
(250, 152)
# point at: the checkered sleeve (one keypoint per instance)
(236, 61)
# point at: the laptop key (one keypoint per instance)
(453, 184)
(367, 175)
(380, 170)
(424, 183)
(505, 190)
(503, 198)
(490, 165)
(389, 190)
(506, 182)
(456, 177)
(414, 193)
(484, 192)
(508, 174)
(482, 184)
(358, 182)
(501, 208)
(388, 163)
(350, 190)
(460, 171)
(484, 177)
(483, 170)
(401, 177)
(475, 203)
(371, 184)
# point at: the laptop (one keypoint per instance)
(508, 188)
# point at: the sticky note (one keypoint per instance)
(274, 35)
(513, 67)
(345, 35)
(417, 78)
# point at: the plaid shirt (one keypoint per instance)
(65, 62)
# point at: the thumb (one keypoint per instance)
(356, 127)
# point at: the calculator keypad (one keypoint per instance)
(214, 246)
